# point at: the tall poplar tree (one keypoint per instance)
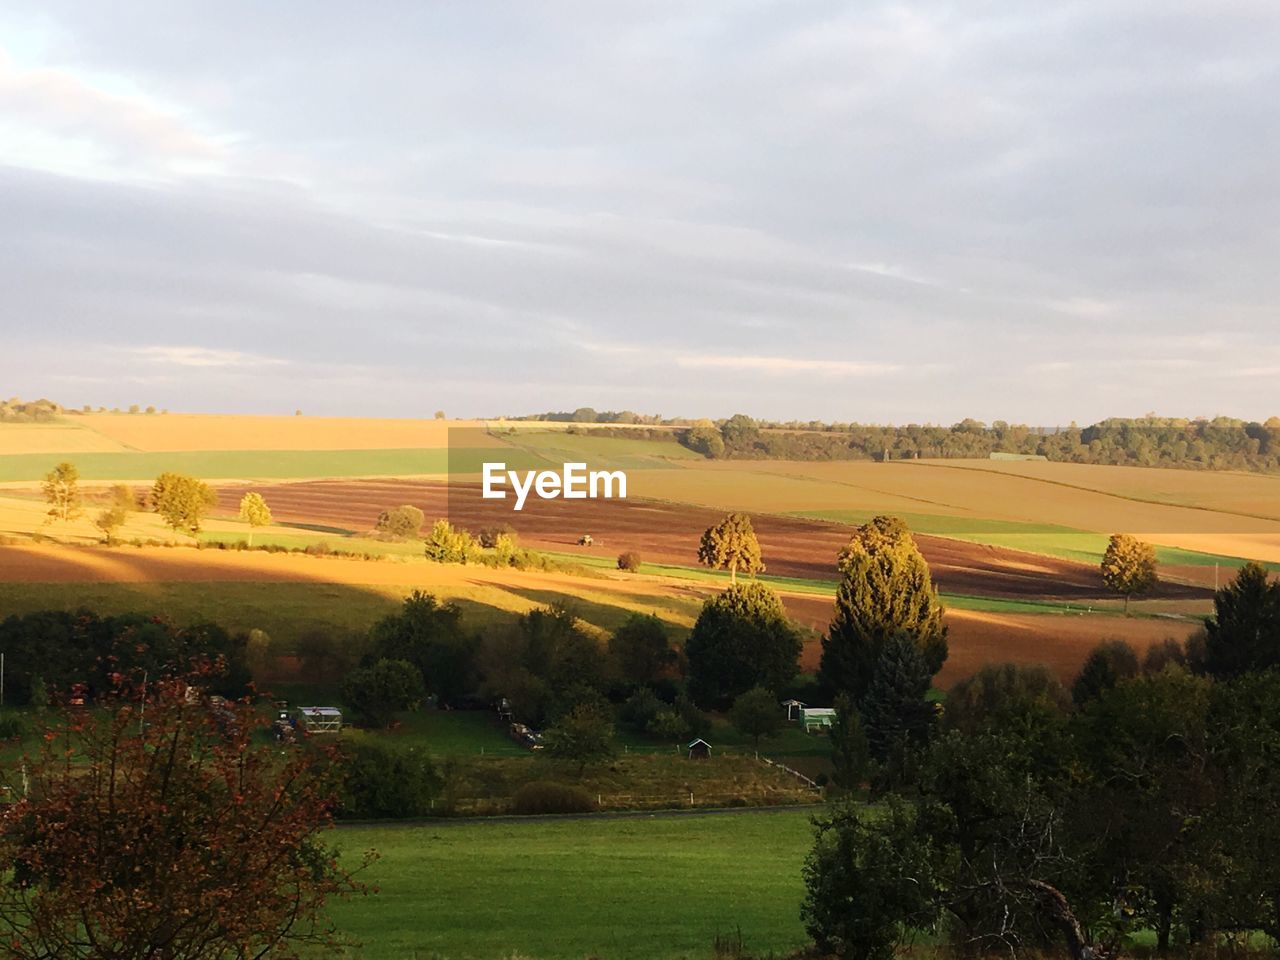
(885, 590)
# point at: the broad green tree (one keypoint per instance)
(1244, 632)
(741, 639)
(885, 590)
(583, 736)
(1129, 567)
(641, 649)
(378, 692)
(62, 492)
(870, 882)
(182, 501)
(731, 545)
(1107, 664)
(706, 440)
(430, 635)
(255, 512)
(757, 714)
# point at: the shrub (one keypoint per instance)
(13, 725)
(488, 536)
(548, 796)
(386, 782)
(401, 523)
(447, 544)
(640, 710)
(629, 561)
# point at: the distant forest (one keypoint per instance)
(17, 410)
(1221, 443)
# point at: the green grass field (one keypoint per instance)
(1047, 539)
(650, 888)
(604, 453)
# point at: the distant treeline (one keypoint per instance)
(1222, 443)
(16, 410)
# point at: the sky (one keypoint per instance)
(879, 212)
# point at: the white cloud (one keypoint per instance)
(202, 357)
(788, 365)
(56, 119)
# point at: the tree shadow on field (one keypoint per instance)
(608, 616)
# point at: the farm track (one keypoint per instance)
(665, 532)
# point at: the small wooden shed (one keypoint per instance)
(699, 749)
(795, 708)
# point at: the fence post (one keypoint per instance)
(691, 798)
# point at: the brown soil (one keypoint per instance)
(668, 533)
(976, 638)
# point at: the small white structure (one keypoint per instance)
(320, 719)
(699, 749)
(816, 718)
(794, 709)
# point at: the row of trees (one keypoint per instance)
(52, 651)
(1220, 443)
(1217, 443)
(1021, 816)
(181, 501)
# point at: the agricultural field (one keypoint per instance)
(288, 595)
(1023, 505)
(1013, 546)
(652, 887)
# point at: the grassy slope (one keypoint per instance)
(660, 888)
(287, 610)
(1043, 538)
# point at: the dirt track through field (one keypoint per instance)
(668, 533)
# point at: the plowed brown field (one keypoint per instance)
(668, 533)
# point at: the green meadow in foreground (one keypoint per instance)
(649, 888)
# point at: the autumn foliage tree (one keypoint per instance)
(1129, 566)
(61, 488)
(731, 545)
(156, 828)
(255, 512)
(182, 501)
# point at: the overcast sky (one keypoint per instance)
(865, 211)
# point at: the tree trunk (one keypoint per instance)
(1059, 911)
(1164, 923)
